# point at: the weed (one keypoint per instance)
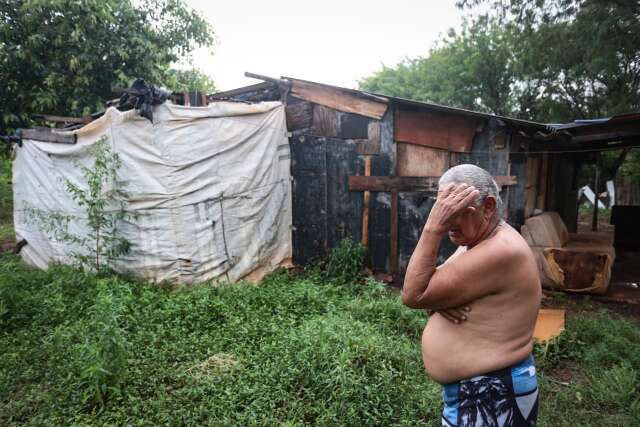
(101, 200)
(344, 263)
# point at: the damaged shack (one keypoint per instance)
(361, 166)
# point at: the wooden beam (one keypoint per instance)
(338, 99)
(63, 119)
(393, 183)
(47, 135)
(365, 209)
(506, 180)
(266, 78)
(408, 183)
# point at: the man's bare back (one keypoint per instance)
(498, 330)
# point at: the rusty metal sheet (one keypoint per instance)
(436, 130)
(354, 126)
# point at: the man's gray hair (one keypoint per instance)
(477, 177)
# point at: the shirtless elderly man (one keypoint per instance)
(485, 300)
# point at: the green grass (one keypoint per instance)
(294, 350)
(6, 200)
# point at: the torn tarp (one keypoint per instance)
(207, 190)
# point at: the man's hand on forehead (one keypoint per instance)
(451, 200)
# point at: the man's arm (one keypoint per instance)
(472, 275)
(422, 265)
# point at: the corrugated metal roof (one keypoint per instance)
(620, 118)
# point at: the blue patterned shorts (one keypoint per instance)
(504, 398)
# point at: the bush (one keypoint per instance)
(344, 263)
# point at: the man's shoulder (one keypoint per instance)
(506, 245)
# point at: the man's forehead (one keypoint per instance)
(442, 187)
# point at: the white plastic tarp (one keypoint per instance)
(208, 190)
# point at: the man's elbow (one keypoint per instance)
(412, 301)
(408, 300)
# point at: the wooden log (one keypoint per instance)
(579, 270)
(47, 135)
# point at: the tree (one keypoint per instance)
(63, 56)
(191, 80)
(472, 68)
(585, 54)
(544, 60)
(101, 200)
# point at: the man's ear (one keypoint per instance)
(489, 207)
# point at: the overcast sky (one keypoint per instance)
(328, 41)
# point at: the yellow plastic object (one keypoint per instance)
(550, 324)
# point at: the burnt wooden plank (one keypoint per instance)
(354, 126)
(325, 121)
(379, 226)
(393, 251)
(309, 197)
(393, 183)
(373, 131)
(437, 130)
(338, 99)
(299, 115)
(344, 207)
(47, 135)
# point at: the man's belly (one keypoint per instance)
(452, 352)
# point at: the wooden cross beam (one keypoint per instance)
(396, 185)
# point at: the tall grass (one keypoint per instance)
(295, 350)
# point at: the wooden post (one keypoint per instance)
(594, 220)
(365, 210)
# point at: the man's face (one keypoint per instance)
(467, 226)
